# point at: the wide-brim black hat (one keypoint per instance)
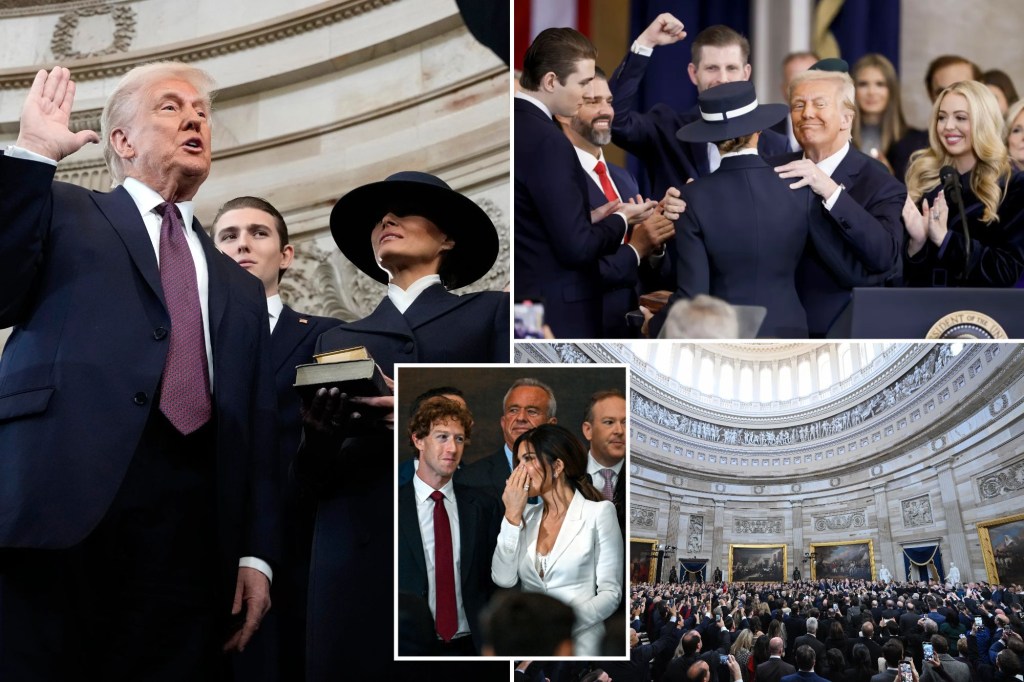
(730, 110)
(414, 193)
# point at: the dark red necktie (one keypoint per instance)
(185, 390)
(445, 615)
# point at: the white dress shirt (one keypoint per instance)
(274, 307)
(425, 512)
(594, 467)
(403, 298)
(589, 161)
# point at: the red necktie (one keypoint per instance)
(445, 615)
(185, 389)
(609, 191)
(606, 182)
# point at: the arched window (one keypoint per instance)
(845, 361)
(785, 383)
(725, 379)
(746, 384)
(706, 381)
(765, 385)
(685, 376)
(803, 376)
(824, 370)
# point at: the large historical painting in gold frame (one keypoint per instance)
(642, 561)
(854, 559)
(757, 563)
(1002, 547)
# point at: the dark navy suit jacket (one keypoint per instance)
(487, 474)
(651, 136)
(479, 524)
(352, 560)
(620, 271)
(740, 239)
(79, 374)
(997, 248)
(557, 247)
(858, 243)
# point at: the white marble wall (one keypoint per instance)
(986, 32)
(314, 100)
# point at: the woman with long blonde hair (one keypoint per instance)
(965, 132)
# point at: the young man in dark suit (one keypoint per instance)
(439, 431)
(640, 263)
(255, 235)
(858, 238)
(139, 366)
(718, 55)
(558, 239)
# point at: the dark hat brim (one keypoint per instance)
(462, 220)
(764, 116)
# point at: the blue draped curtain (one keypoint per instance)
(920, 562)
(862, 26)
(693, 570)
(666, 80)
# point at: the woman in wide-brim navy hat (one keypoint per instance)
(744, 230)
(420, 237)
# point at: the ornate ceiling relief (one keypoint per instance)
(313, 285)
(917, 511)
(643, 517)
(854, 519)
(570, 353)
(770, 526)
(854, 417)
(83, 32)
(1007, 481)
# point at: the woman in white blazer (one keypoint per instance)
(569, 545)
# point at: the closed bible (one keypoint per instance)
(351, 370)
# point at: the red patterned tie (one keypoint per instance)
(609, 490)
(185, 390)
(445, 615)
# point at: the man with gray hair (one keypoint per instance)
(137, 413)
(811, 640)
(859, 241)
(528, 403)
(701, 317)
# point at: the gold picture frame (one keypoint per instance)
(636, 566)
(1010, 560)
(757, 563)
(827, 551)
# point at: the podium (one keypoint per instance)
(932, 313)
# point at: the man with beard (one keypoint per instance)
(641, 256)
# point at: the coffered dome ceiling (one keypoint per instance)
(813, 411)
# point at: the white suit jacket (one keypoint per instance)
(584, 568)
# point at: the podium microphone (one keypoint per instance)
(951, 185)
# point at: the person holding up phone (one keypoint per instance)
(939, 665)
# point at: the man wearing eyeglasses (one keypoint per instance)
(446, 536)
(528, 404)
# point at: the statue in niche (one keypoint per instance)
(953, 576)
(883, 574)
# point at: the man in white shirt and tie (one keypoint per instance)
(604, 427)
(446, 533)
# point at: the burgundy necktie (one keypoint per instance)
(185, 390)
(609, 191)
(609, 491)
(445, 615)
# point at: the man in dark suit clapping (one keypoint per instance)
(558, 241)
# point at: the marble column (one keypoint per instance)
(797, 551)
(671, 536)
(719, 548)
(886, 551)
(958, 553)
